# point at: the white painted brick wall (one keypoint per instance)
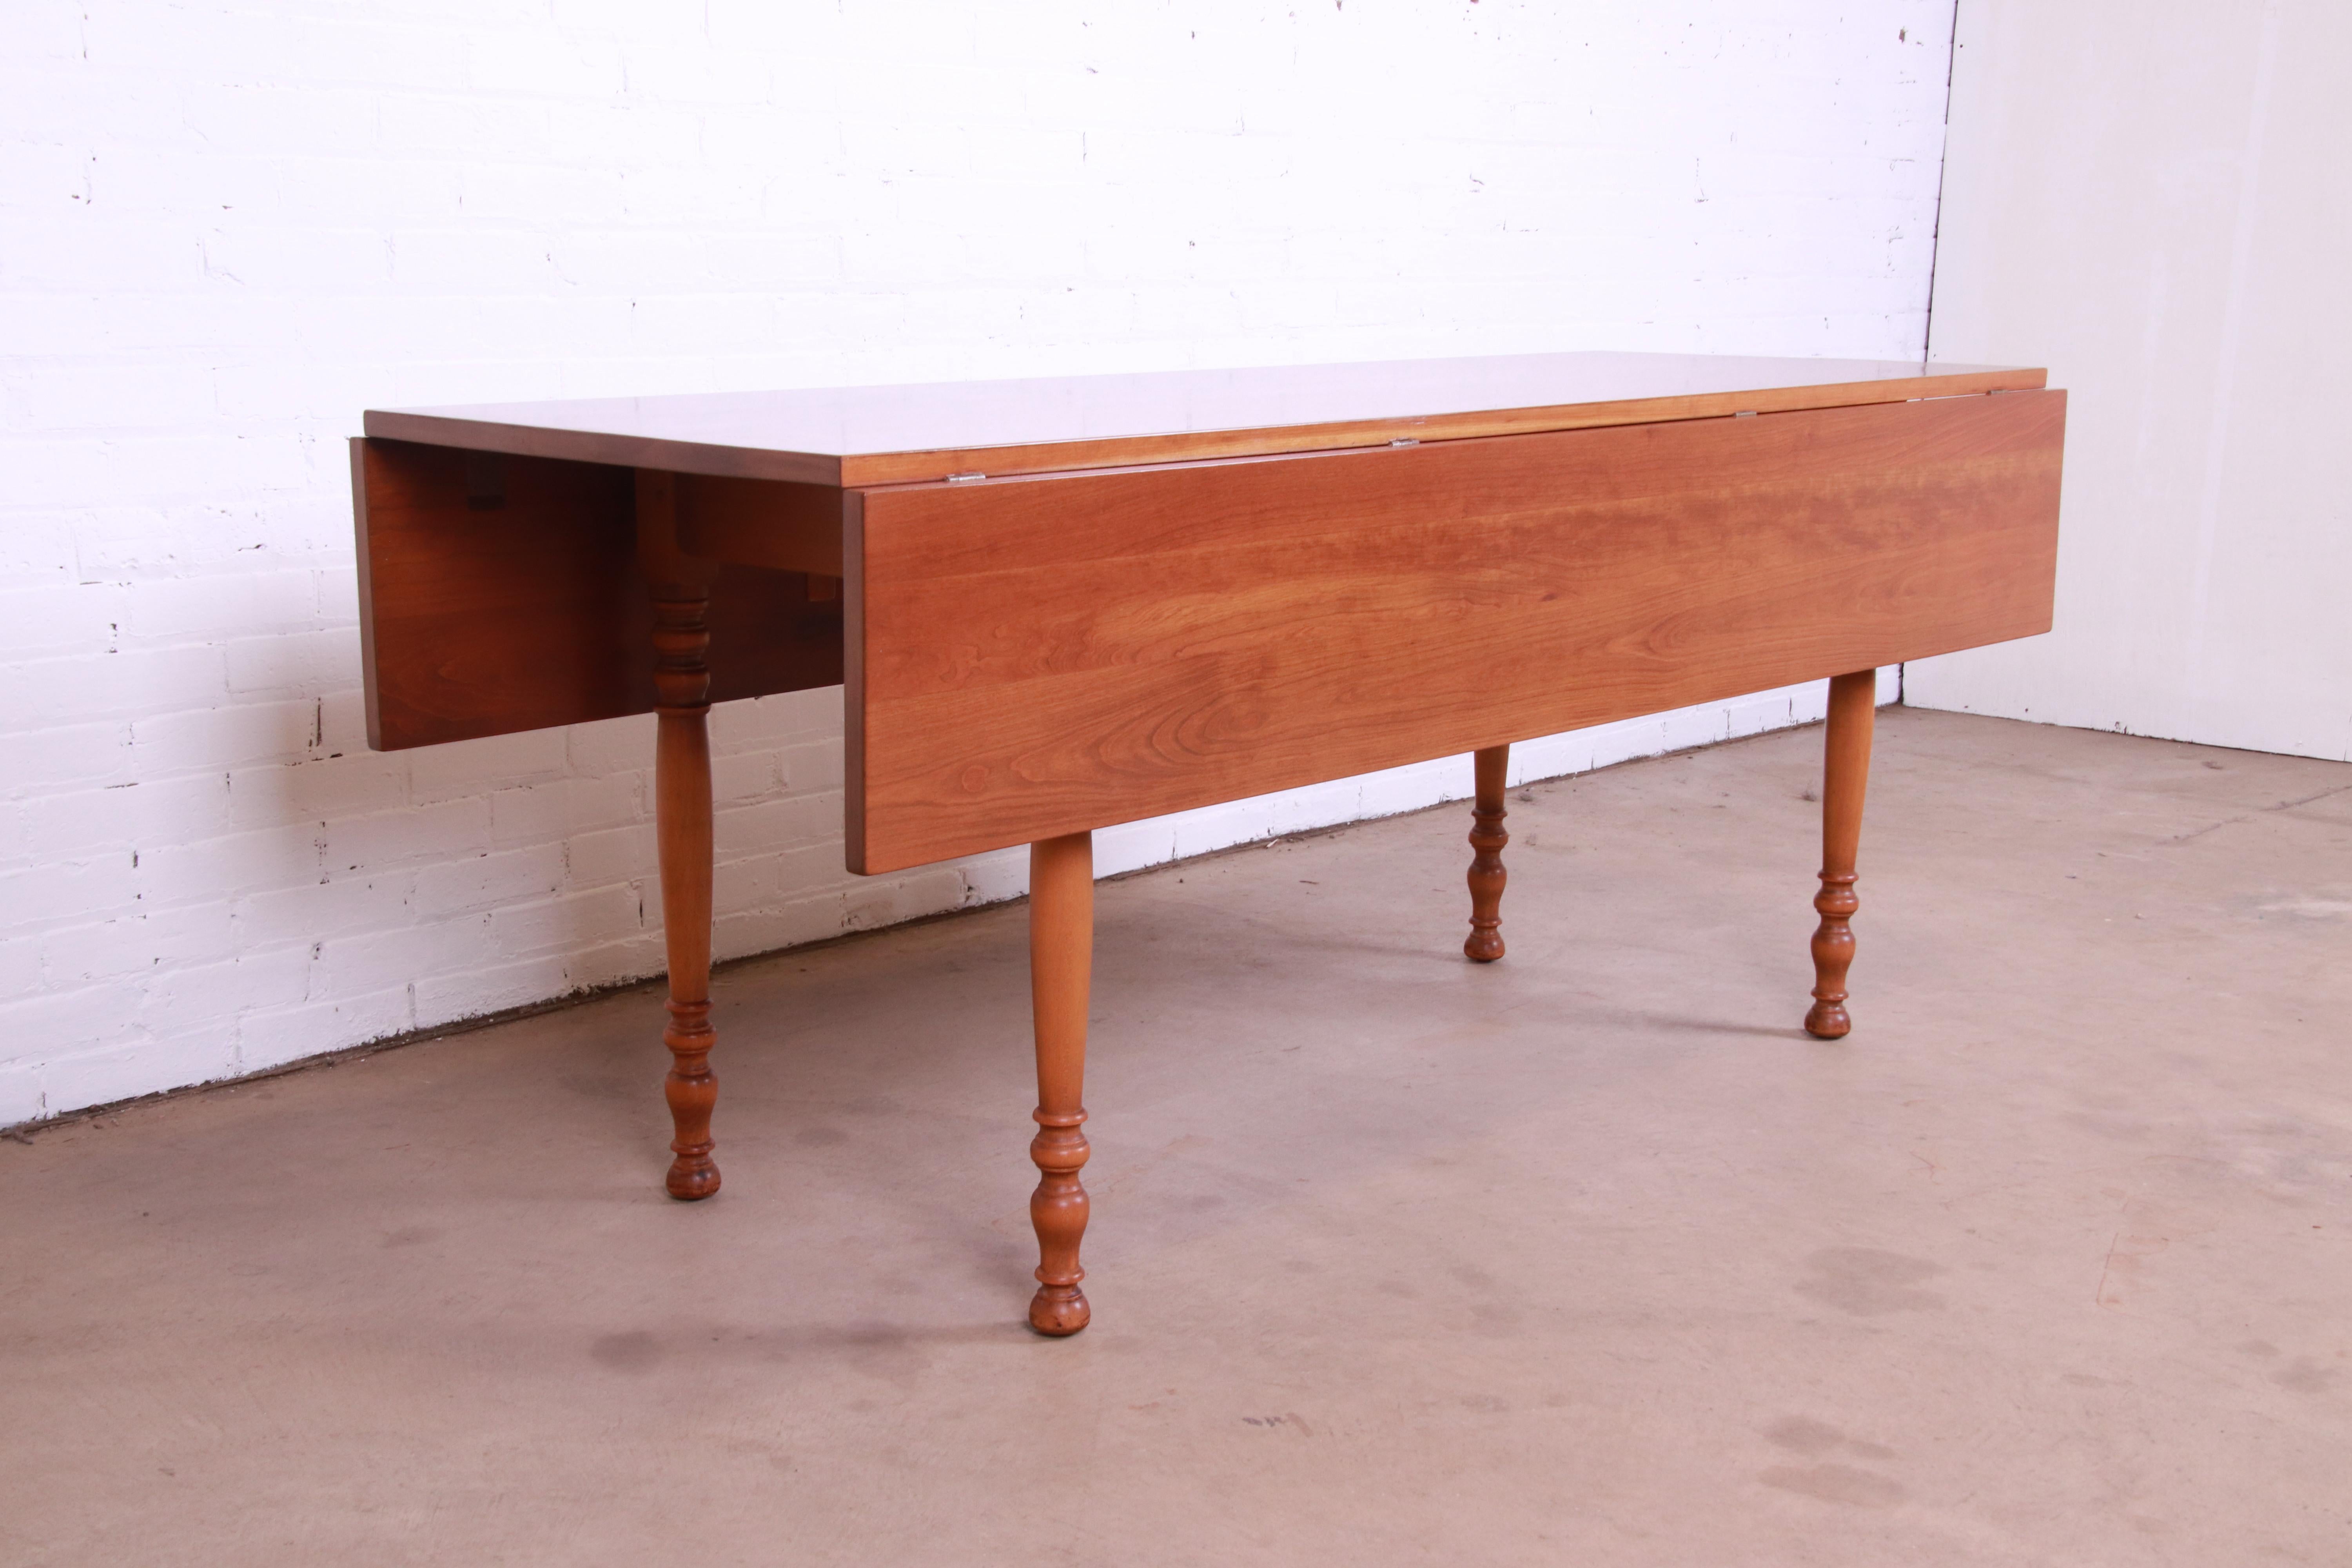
(225, 230)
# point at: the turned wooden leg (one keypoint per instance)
(681, 593)
(1061, 958)
(1487, 838)
(1853, 708)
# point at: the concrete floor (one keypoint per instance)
(1587, 1258)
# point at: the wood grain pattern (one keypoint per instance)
(504, 594)
(1061, 966)
(1845, 777)
(1490, 765)
(485, 613)
(1034, 657)
(863, 435)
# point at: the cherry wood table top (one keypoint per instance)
(860, 435)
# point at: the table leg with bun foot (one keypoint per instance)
(1853, 708)
(1061, 960)
(1492, 764)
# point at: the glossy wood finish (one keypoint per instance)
(682, 824)
(1208, 585)
(862, 435)
(500, 594)
(496, 594)
(1490, 766)
(1845, 775)
(499, 590)
(1031, 657)
(902, 468)
(1061, 966)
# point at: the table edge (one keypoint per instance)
(918, 466)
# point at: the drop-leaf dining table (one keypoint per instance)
(1059, 604)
